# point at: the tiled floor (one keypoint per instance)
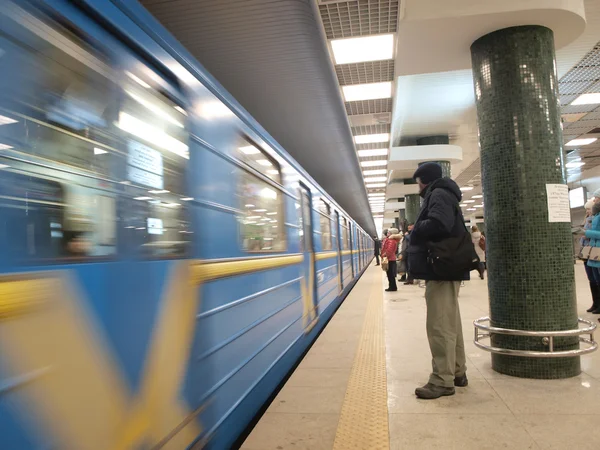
(494, 412)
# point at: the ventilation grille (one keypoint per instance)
(369, 106)
(371, 129)
(359, 17)
(367, 72)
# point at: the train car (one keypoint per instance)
(165, 263)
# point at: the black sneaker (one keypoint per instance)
(461, 381)
(432, 391)
(391, 290)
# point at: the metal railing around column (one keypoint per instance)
(483, 331)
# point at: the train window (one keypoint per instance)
(325, 222)
(256, 158)
(345, 237)
(156, 144)
(261, 226)
(59, 143)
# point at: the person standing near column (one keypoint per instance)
(388, 251)
(376, 249)
(593, 234)
(440, 218)
(479, 244)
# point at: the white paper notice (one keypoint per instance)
(558, 203)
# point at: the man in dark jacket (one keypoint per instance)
(440, 218)
(377, 248)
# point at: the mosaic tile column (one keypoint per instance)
(413, 205)
(438, 140)
(530, 262)
(446, 167)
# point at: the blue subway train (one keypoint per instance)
(164, 262)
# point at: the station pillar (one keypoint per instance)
(529, 254)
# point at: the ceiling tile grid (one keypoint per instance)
(359, 17)
(362, 19)
(365, 72)
(369, 106)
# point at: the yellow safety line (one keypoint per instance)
(363, 422)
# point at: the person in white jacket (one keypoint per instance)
(479, 243)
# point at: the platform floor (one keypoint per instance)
(325, 404)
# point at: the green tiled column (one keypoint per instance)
(413, 205)
(530, 262)
(446, 167)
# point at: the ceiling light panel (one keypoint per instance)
(375, 179)
(362, 49)
(375, 185)
(371, 138)
(583, 141)
(374, 152)
(370, 91)
(373, 163)
(587, 99)
(375, 172)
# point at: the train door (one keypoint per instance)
(352, 247)
(338, 242)
(309, 291)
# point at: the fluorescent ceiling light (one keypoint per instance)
(367, 91)
(7, 120)
(153, 135)
(587, 99)
(138, 80)
(249, 150)
(466, 188)
(372, 138)
(469, 201)
(260, 210)
(584, 141)
(273, 172)
(375, 179)
(373, 152)
(477, 196)
(575, 164)
(369, 48)
(159, 191)
(187, 199)
(471, 209)
(99, 151)
(477, 206)
(373, 163)
(249, 205)
(264, 162)
(463, 205)
(142, 198)
(377, 194)
(5, 147)
(4, 166)
(374, 185)
(375, 172)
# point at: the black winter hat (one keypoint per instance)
(428, 172)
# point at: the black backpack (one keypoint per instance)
(452, 257)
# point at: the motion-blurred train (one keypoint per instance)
(164, 263)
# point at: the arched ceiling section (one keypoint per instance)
(273, 58)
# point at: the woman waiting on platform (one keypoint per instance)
(591, 272)
(388, 251)
(594, 236)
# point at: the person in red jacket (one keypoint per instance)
(388, 250)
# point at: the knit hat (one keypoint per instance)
(428, 172)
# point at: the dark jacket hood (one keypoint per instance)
(444, 183)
